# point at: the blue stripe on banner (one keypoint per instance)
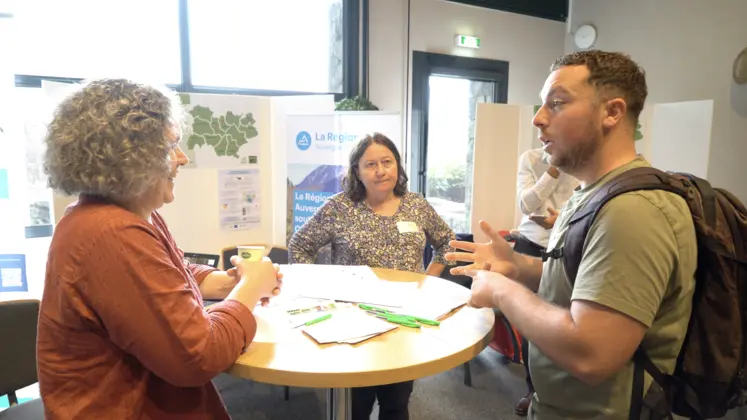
(4, 193)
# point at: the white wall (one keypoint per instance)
(528, 44)
(281, 108)
(681, 134)
(194, 216)
(687, 48)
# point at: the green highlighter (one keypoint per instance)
(372, 308)
(413, 319)
(424, 321)
(401, 321)
(320, 319)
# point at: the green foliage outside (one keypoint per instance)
(448, 182)
(638, 134)
(356, 103)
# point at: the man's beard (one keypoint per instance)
(579, 155)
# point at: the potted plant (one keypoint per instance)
(356, 103)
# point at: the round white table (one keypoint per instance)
(292, 358)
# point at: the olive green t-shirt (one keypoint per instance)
(639, 258)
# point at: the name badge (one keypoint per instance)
(407, 227)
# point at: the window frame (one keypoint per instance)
(354, 71)
(424, 64)
(352, 77)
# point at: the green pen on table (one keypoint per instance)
(426, 321)
(397, 319)
(400, 321)
(320, 319)
(374, 310)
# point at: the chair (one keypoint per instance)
(18, 322)
(464, 281)
(206, 259)
(278, 255)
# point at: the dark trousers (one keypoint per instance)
(393, 401)
(527, 247)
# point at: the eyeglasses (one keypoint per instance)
(372, 166)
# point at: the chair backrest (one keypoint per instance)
(279, 254)
(465, 281)
(18, 323)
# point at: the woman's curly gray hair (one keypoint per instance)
(109, 138)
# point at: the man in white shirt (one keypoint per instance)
(541, 191)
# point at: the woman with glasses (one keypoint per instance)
(123, 333)
(376, 222)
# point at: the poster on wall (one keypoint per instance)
(13, 273)
(223, 130)
(238, 198)
(319, 149)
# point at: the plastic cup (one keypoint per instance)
(251, 253)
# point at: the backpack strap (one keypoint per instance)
(636, 179)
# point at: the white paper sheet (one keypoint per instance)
(430, 307)
(357, 284)
(348, 326)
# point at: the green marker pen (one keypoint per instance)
(371, 308)
(399, 321)
(424, 321)
(399, 317)
(320, 319)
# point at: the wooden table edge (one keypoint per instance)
(371, 378)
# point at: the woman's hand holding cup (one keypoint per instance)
(260, 279)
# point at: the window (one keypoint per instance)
(24, 198)
(226, 46)
(451, 137)
(34, 111)
(291, 45)
(12, 186)
(84, 39)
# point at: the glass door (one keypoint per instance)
(452, 106)
(446, 91)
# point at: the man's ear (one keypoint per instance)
(615, 110)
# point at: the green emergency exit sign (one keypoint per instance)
(467, 41)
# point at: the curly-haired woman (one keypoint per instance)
(122, 329)
(376, 222)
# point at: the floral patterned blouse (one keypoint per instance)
(359, 236)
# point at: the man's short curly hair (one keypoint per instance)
(109, 138)
(611, 73)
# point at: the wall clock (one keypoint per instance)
(585, 36)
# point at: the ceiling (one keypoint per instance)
(547, 9)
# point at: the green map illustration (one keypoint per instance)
(224, 133)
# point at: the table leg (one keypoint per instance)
(339, 404)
